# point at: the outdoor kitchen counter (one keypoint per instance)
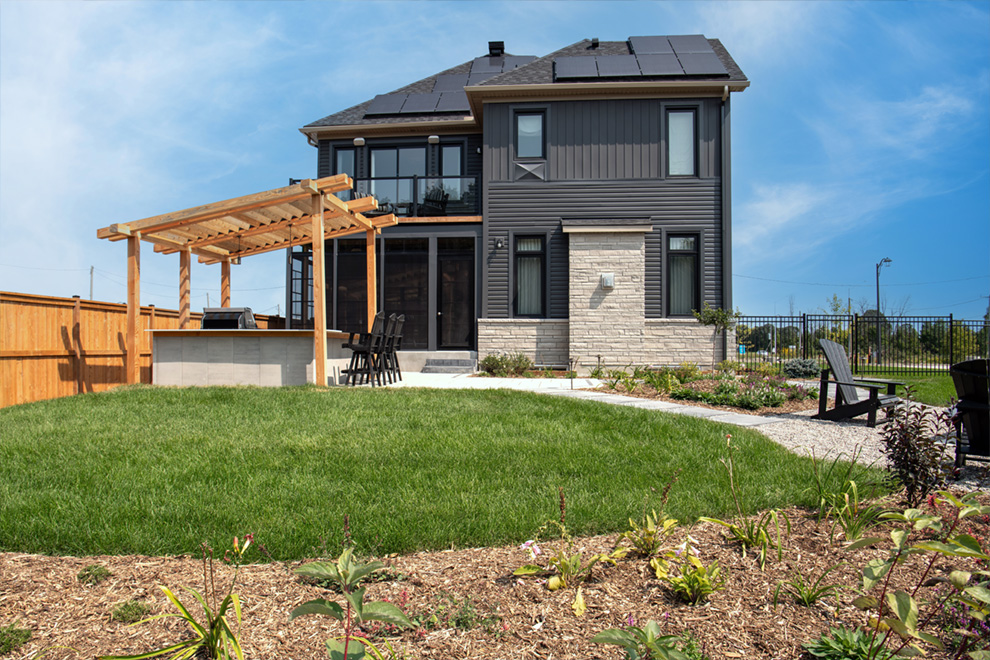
(242, 357)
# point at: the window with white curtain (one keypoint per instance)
(681, 143)
(682, 274)
(529, 134)
(530, 258)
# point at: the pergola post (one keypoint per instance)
(372, 282)
(225, 283)
(319, 294)
(133, 359)
(185, 281)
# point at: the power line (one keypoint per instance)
(60, 270)
(767, 279)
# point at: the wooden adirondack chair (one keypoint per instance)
(973, 410)
(847, 401)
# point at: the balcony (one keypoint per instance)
(406, 195)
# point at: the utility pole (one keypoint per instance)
(91, 282)
(880, 265)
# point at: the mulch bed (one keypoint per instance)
(525, 620)
(646, 392)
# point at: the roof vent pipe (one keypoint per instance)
(594, 42)
(496, 48)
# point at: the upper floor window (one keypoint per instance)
(345, 162)
(682, 274)
(392, 169)
(681, 143)
(530, 138)
(530, 257)
(450, 160)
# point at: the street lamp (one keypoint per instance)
(883, 262)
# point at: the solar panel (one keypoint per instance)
(453, 102)
(450, 82)
(487, 65)
(420, 103)
(478, 78)
(690, 43)
(575, 67)
(660, 65)
(650, 45)
(386, 104)
(515, 61)
(701, 64)
(617, 66)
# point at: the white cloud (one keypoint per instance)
(860, 132)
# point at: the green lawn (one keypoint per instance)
(156, 471)
(935, 389)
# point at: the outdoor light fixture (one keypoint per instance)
(433, 139)
(358, 142)
(499, 244)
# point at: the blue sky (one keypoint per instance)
(865, 133)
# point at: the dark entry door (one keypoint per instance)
(455, 296)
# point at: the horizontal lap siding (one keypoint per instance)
(539, 207)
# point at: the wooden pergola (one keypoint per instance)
(223, 232)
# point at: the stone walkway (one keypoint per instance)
(562, 387)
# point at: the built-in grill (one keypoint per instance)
(228, 318)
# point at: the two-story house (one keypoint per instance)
(574, 206)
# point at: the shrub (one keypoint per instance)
(662, 380)
(764, 369)
(801, 368)
(504, 364)
(687, 371)
(910, 442)
(730, 367)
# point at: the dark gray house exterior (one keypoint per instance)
(586, 210)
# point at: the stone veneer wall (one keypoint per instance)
(609, 323)
(684, 340)
(605, 326)
(543, 340)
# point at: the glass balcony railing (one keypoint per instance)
(420, 196)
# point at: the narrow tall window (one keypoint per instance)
(529, 134)
(345, 162)
(530, 256)
(682, 274)
(681, 143)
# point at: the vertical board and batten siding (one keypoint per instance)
(39, 341)
(601, 140)
(604, 161)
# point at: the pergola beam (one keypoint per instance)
(228, 207)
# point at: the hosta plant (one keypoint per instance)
(213, 637)
(642, 643)
(686, 575)
(347, 574)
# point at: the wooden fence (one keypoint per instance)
(53, 347)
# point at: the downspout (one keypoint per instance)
(726, 209)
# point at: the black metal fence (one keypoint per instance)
(875, 344)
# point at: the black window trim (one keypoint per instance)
(665, 251)
(695, 110)
(516, 113)
(544, 284)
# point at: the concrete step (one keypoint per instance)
(449, 366)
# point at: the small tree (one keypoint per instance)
(720, 320)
